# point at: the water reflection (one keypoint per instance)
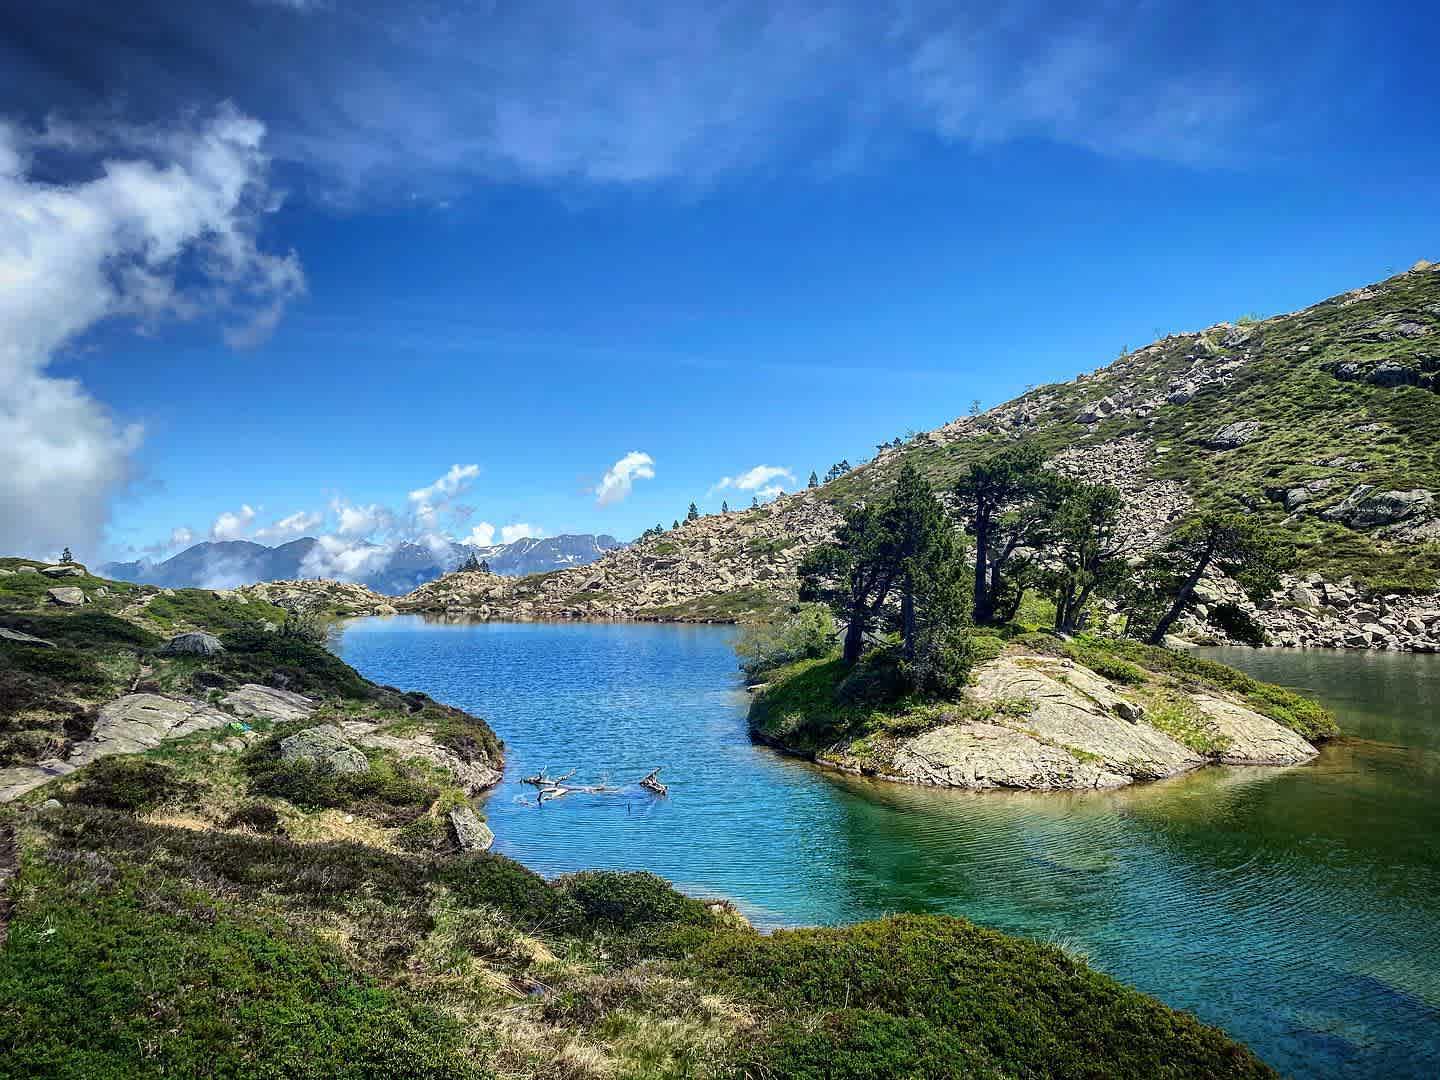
(1298, 908)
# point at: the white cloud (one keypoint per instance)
(360, 521)
(754, 479)
(233, 524)
(482, 535)
(428, 502)
(72, 255)
(291, 527)
(181, 537)
(519, 531)
(345, 560)
(771, 491)
(617, 482)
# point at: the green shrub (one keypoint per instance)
(140, 978)
(258, 817)
(292, 663)
(1237, 623)
(806, 633)
(426, 835)
(1098, 657)
(485, 879)
(384, 792)
(899, 993)
(130, 784)
(624, 901)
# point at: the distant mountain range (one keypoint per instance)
(391, 570)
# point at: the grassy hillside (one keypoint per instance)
(209, 907)
(1343, 393)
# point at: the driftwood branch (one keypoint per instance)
(552, 788)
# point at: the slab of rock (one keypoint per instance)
(63, 570)
(1234, 435)
(66, 595)
(325, 745)
(267, 703)
(139, 722)
(21, 638)
(984, 755)
(473, 776)
(1075, 707)
(1253, 739)
(471, 832)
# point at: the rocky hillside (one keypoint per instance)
(1325, 421)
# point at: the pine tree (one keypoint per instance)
(1086, 556)
(1235, 543)
(814, 480)
(1005, 495)
(675, 524)
(724, 506)
(693, 514)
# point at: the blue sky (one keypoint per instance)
(537, 239)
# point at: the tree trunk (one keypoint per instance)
(907, 617)
(1182, 598)
(854, 637)
(984, 610)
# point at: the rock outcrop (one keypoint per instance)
(1049, 724)
(327, 746)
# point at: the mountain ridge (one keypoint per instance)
(396, 570)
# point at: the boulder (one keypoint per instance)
(26, 570)
(267, 703)
(471, 832)
(195, 644)
(1366, 507)
(1235, 435)
(63, 570)
(66, 596)
(1390, 373)
(325, 745)
(1304, 596)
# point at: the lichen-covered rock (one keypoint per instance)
(987, 755)
(1366, 507)
(66, 596)
(473, 776)
(267, 703)
(138, 722)
(471, 832)
(196, 643)
(1248, 738)
(325, 745)
(1235, 435)
(63, 570)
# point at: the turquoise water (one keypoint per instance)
(1299, 908)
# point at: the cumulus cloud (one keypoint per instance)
(427, 503)
(519, 531)
(754, 479)
(481, 535)
(233, 524)
(771, 491)
(291, 527)
(619, 479)
(163, 227)
(357, 521)
(343, 559)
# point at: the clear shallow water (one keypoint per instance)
(1299, 909)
